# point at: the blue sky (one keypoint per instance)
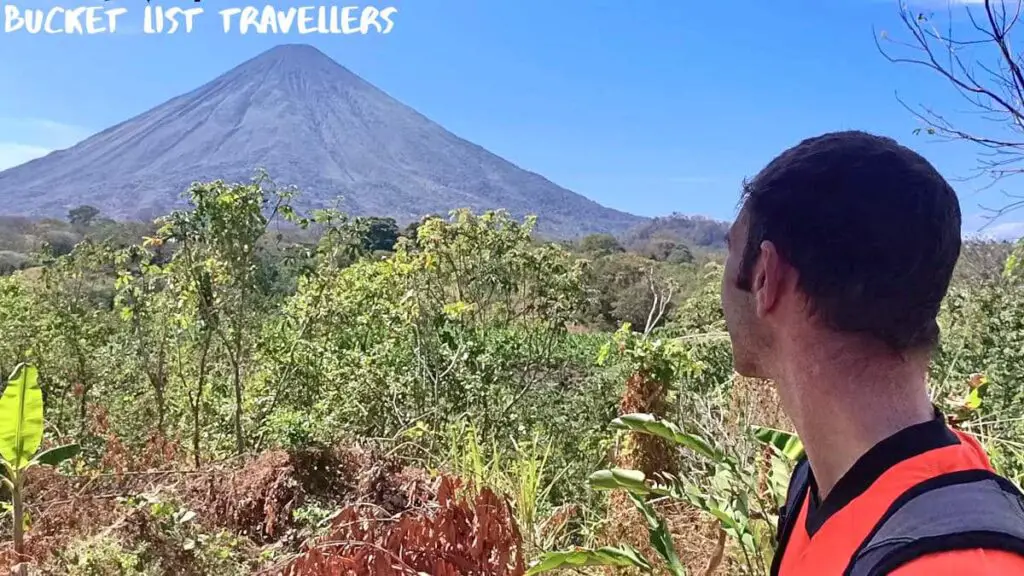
(653, 106)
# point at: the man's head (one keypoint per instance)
(848, 234)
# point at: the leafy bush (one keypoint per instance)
(187, 355)
(11, 262)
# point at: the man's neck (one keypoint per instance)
(843, 402)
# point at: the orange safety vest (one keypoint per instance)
(925, 499)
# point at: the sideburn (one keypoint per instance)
(751, 251)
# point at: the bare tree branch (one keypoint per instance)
(980, 63)
(661, 301)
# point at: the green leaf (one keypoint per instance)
(650, 424)
(54, 456)
(618, 478)
(973, 401)
(620, 556)
(786, 442)
(21, 417)
(1011, 265)
(727, 521)
(661, 538)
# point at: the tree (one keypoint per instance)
(667, 250)
(411, 231)
(981, 64)
(83, 215)
(600, 243)
(73, 294)
(143, 307)
(60, 242)
(380, 234)
(217, 266)
(468, 323)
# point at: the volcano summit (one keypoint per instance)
(311, 123)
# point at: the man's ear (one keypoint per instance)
(768, 277)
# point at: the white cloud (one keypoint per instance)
(13, 154)
(42, 132)
(29, 138)
(1005, 231)
(1002, 231)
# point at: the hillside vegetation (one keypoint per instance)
(255, 390)
(696, 231)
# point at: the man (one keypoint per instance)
(838, 261)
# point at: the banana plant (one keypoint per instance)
(787, 443)
(607, 556)
(638, 487)
(21, 434)
(731, 498)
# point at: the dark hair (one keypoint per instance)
(871, 227)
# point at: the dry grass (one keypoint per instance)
(444, 532)
(253, 500)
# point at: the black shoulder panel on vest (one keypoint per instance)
(956, 511)
(787, 514)
(798, 483)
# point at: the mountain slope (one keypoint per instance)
(310, 123)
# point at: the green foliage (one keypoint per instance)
(613, 556)
(625, 287)
(442, 329)
(785, 442)
(21, 434)
(980, 355)
(381, 234)
(21, 426)
(21, 418)
(216, 276)
(694, 231)
(667, 250)
(103, 556)
(660, 359)
(600, 244)
(661, 540)
(462, 344)
(655, 426)
(725, 491)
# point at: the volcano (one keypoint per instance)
(312, 124)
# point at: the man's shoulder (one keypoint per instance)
(959, 562)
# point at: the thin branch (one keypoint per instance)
(991, 82)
